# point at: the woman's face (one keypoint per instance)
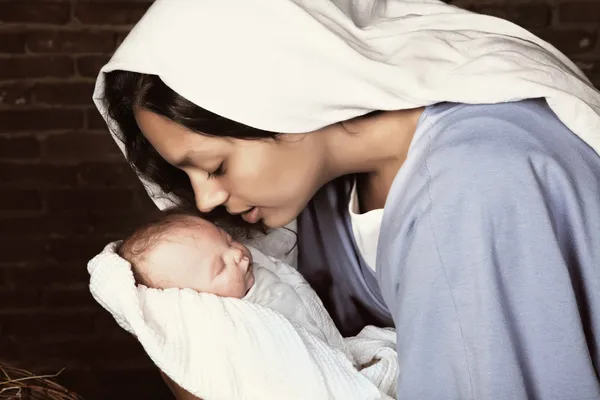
(266, 179)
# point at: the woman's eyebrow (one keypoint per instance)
(186, 160)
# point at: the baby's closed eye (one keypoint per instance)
(219, 267)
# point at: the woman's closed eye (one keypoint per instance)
(220, 171)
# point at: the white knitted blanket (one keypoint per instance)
(228, 348)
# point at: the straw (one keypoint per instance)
(16, 383)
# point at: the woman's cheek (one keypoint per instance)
(242, 179)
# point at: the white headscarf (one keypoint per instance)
(298, 65)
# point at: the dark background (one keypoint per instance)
(65, 191)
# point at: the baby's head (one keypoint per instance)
(180, 250)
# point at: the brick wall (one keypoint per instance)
(65, 191)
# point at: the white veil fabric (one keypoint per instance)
(294, 66)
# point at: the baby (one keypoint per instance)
(184, 251)
(180, 250)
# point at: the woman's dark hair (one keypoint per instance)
(125, 90)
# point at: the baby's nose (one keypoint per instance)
(235, 255)
(244, 263)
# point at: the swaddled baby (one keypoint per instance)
(184, 251)
(181, 250)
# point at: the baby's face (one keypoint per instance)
(204, 258)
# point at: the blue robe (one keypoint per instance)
(488, 258)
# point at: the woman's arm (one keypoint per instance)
(178, 391)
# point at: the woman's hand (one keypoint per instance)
(178, 391)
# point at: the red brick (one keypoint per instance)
(145, 384)
(4, 283)
(110, 12)
(20, 200)
(19, 148)
(76, 250)
(118, 224)
(572, 41)
(579, 12)
(45, 12)
(108, 175)
(28, 67)
(95, 122)
(40, 120)
(65, 298)
(50, 323)
(105, 325)
(94, 350)
(89, 66)
(15, 94)
(144, 202)
(47, 226)
(526, 15)
(71, 42)
(13, 250)
(121, 37)
(45, 275)
(80, 147)
(593, 72)
(587, 66)
(595, 78)
(21, 298)
(88, 200)
(12, 42)
(591, 69)
(74, 93)
(36, 175)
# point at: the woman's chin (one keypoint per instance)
(277, 221)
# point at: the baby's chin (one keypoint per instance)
(250, 280)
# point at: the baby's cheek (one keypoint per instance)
(231, 286)
(240, 290)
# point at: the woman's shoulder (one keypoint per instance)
(492, 154)
(516, 126)
(497, 140)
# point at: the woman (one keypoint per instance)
(472, 229)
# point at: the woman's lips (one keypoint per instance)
(251, 216)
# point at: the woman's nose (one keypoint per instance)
(209, 193)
